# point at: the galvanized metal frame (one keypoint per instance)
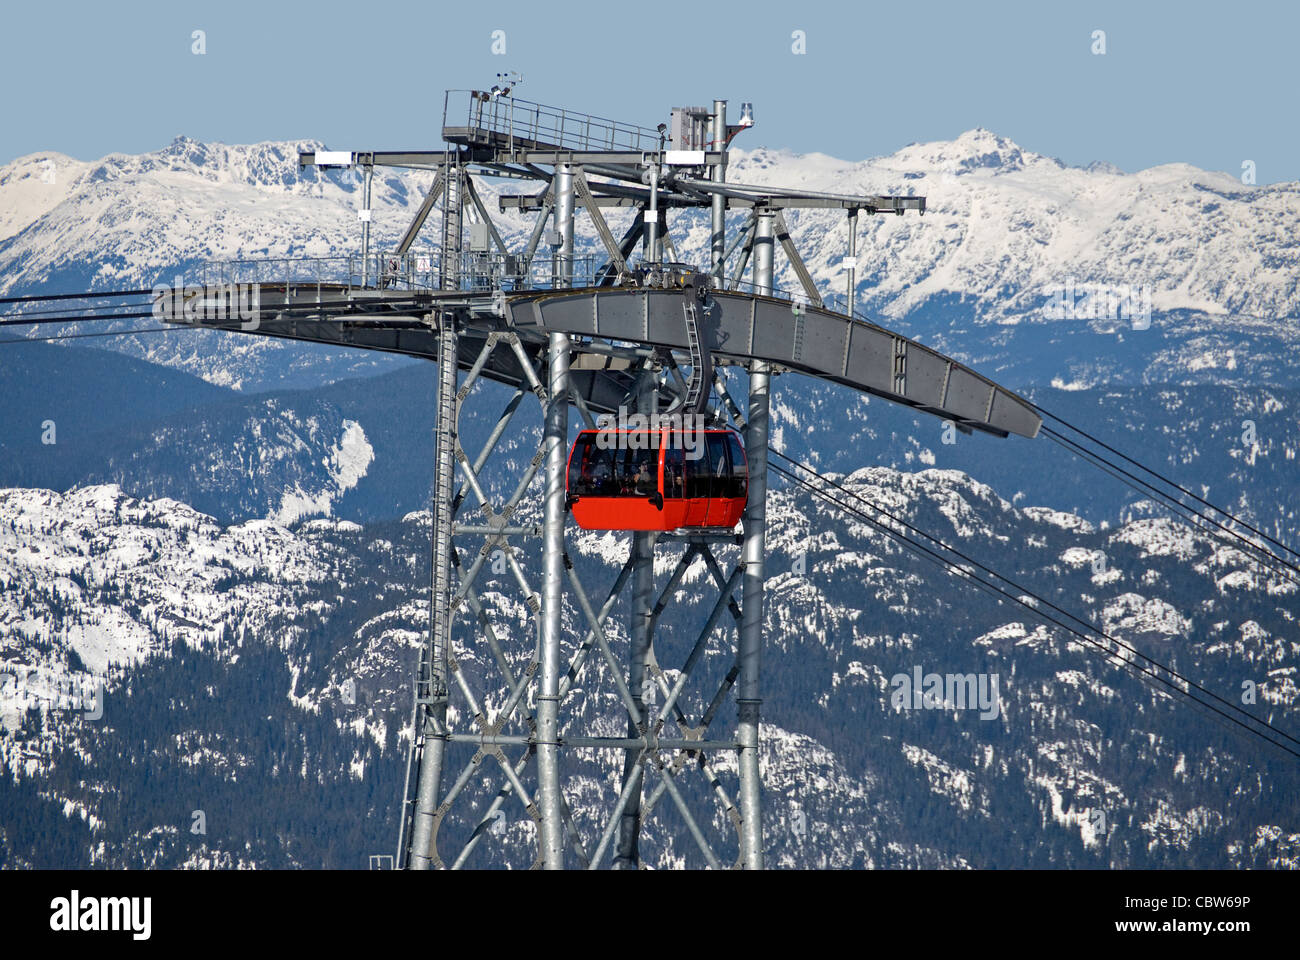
(555, 348)
(645, 747)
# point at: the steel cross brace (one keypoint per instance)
(746, 251)
(616, 257)
(489, 738)
(650, 743)
(575, 669)
(727, 586)
(796, 261)
(465, 594)
(730, 809)
(720, 271)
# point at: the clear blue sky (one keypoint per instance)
(1210, 84)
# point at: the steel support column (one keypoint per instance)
(718, 234)
(853, 259)
(365, 225)
(643, 596)
(641, 634)
(748, 691)
(555, 451)
(452, 211)
(764, 234)
(564, 206)
(653, 244)
(431, 688)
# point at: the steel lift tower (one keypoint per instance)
(518, 696)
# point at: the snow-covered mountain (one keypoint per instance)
(1009, 236)
(203, 630)
(249, 570)
(1005, 227)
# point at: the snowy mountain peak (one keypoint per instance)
(977, 149)
(1006, 229)
(266, 164)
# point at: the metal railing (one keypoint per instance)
(780, 293)
(419, 271)
(839, 302)
(488, 117)
(282, 270)
(483, 271)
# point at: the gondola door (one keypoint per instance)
(698, 485)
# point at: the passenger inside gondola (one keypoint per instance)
(656, 481)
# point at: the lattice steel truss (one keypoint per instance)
(508, 704)
(506, 715)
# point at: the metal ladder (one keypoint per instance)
(696, 385)
(453, 201)
(431, 687)
(701, 382)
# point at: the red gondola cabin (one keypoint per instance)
(662, 480)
